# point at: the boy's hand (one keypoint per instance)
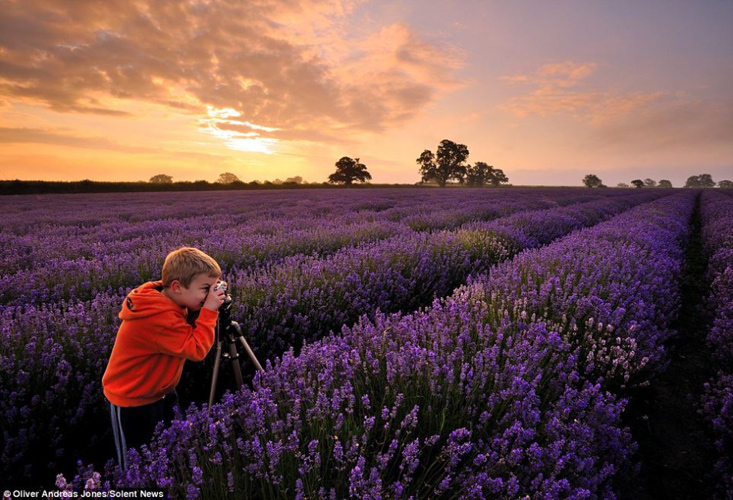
(215, 298)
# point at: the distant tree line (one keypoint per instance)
(706, 181)
(447, 165)
(695, 181)
(228, 178)
(87, 186)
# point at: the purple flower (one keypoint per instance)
(506, 386)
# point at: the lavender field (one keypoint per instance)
(418, 343)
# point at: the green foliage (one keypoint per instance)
(480, 174)
(349, 170)
(700, 181)
(227, 178)
(161, 179)
(592, 180)
(448, 163)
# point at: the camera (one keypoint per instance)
(227, 304)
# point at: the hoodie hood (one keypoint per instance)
(147, 300)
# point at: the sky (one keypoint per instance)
(122, 90)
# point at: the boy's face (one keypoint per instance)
(194, 296)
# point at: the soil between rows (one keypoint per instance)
(675, 449)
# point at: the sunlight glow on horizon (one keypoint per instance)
(251, 142)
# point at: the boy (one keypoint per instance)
(154, 341)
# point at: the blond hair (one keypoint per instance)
(185, 264)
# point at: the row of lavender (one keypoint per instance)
(304, 297)
(717, 403)
(84, 246)
(54, 354)
(512, 386)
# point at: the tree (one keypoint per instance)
(706, 180)
(638, 183)
(161, 179)
(481, 173)
(497, 176)
(447, 164)
(592, 180)
(227, 178)
(476, 174)
(348, 171)
(650, 183)
(664, 183)
(622, 185)
(725, 184)
(700, 181)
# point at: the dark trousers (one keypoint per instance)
(133, 426)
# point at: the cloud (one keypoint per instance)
(11, 135)
(69, 138)
(392, 74)
(555, 75)
(631, 123)
(282, 64)
(677, 122)
(559, 90)
(565, 74)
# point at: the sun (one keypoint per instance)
(237, 135)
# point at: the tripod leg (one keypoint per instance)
(251, 354)
(244, 343)
(215, 375)
(234, 357)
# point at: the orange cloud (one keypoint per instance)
(391, 74)
(566, 74)
(271, 61)
(559, 91)
(59, 137)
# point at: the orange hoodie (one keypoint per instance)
(152, 345)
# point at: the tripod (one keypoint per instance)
(232, 333)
